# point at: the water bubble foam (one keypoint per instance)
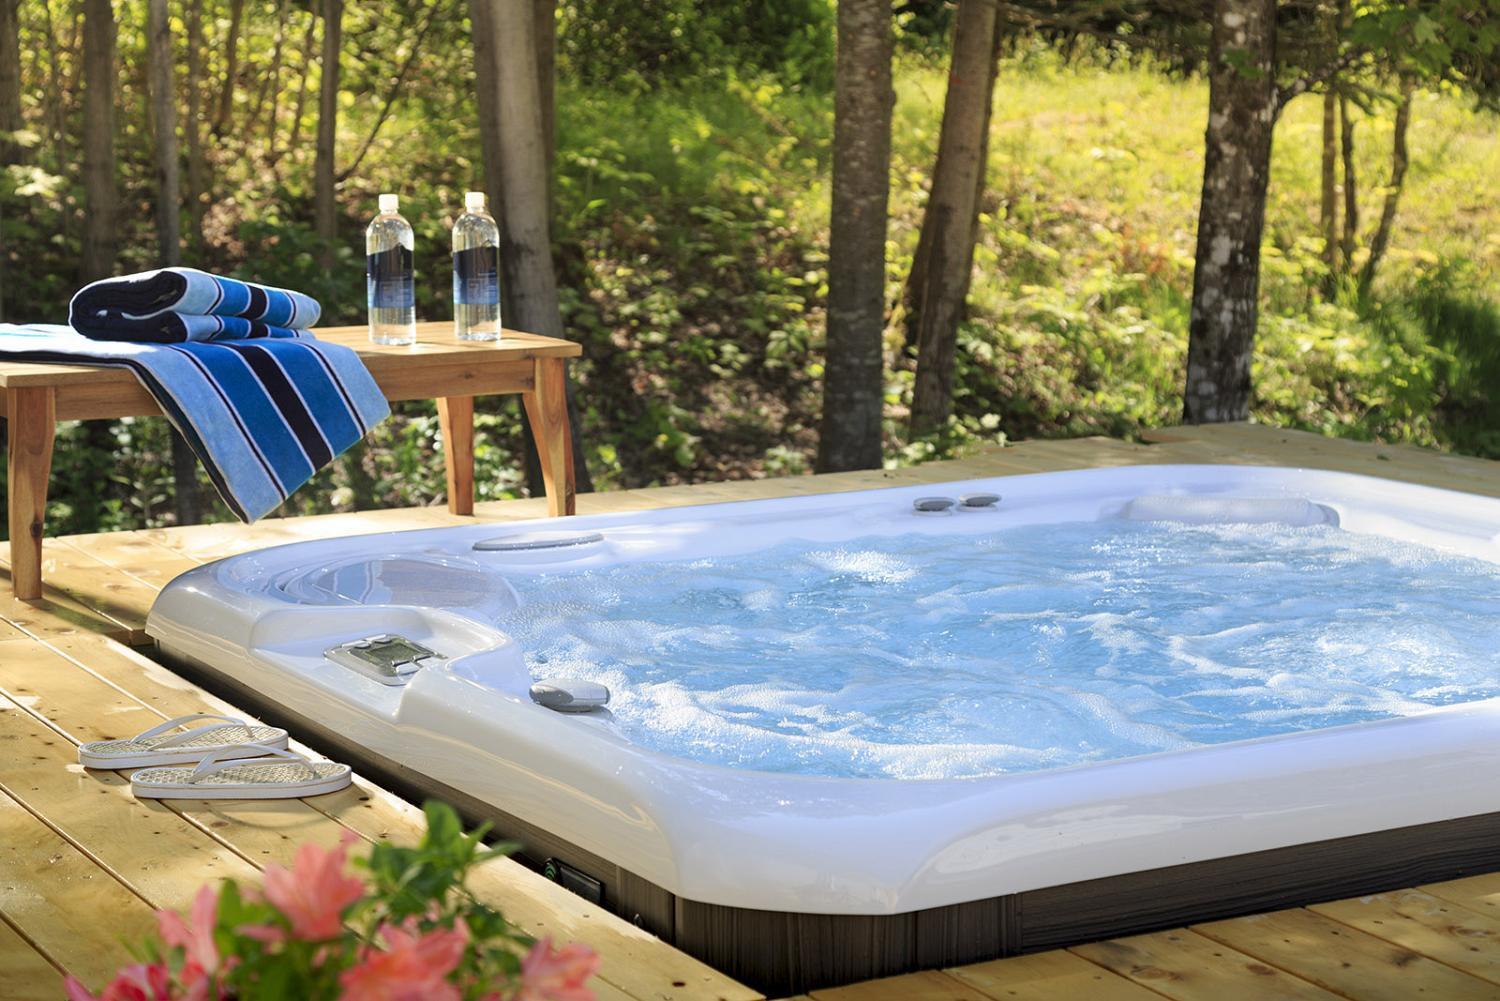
(921, 657)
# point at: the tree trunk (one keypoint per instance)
(164, 122)
(270, 83)
(487, 100)
(1231, 214)
(545, 14)
(197, 166)
(1328, 214)
(10, 80)
(324, 211)
(938, 296)
(231, 67)
(98, 141)
(296, 134)
(1382, 237)
(854, 371)
(10, 106)
(186, 497)
(1351, 185)
(525, 235)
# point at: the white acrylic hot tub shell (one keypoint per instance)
(845, 846)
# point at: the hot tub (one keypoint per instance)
(861, 733)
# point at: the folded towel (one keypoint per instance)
(184, 304)
(261, 415)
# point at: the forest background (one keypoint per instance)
(690, 197)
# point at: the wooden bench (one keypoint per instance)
(438, 366)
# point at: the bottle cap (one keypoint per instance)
(474, 201)
(389, 203)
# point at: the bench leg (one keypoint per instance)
(32, 414)
(456, 419)
(547, 409)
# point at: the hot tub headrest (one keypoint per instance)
(1188, 509)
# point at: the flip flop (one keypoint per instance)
(236, 772)
(158, 746)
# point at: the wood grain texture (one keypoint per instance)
(1434, 927)
(31, 416)
(456, 422)
(547, 409)
(1346, 960)
(1050, 976)
(1188, 967)
(26, 974)
(71, 910)
(931, 985)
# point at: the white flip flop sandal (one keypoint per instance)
(236, 773)
(159, 746)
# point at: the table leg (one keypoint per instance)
(32, 414)
(456, 419)
(547, 409)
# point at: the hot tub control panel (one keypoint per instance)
(388, 658)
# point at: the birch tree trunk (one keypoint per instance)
(1328, 214)
(324, 211)
(1231, 215)
(525, 234)
(98, 140)
(1399, 160)
(937, 294)
(854, 371)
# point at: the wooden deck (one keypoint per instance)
(82, 863)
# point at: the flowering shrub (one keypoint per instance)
(406, 930)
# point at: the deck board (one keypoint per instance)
(25, 973)
(71, 885)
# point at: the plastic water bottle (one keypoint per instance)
(476, 272)
(388, 276)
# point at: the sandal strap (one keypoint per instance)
(197, 732)
(242, 754)
(173, 724)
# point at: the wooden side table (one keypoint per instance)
(438, 366)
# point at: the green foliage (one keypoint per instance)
(691, 206)
(637, 45)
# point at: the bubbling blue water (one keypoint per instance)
(1035, 647)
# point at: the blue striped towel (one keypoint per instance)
(262, 415)
(184, 304)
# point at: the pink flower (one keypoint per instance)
(140, 982)
(313, 893)
(414, 965)
(196, 937)
(549, 974)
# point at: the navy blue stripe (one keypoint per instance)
(337, 422)
(239, 423)
(241, 386)
(169, 407)
(287, 400)
(338, 381)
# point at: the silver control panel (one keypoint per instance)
(388, 658)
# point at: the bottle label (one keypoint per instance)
(389, 279)
(476, 276)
